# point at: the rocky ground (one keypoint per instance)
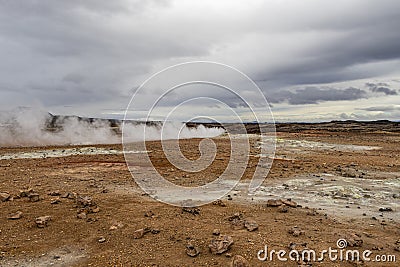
(84, 209)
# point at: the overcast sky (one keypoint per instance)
(314, 60)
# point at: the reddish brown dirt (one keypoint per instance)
(107, 180)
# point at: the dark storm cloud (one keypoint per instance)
(342, 46)
(75, 52)
(314, 95)
(381, 88)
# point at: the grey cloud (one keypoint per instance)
(72, 52)
(381, 108)
(381, 88)
(74, 78)
(314, 95)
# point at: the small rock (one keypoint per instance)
(283, 208)
(274, 202)
(228, 255)
(155, 231)
(116, 226)
(354, 240)
(55, 193)
(236, 221)
(95, 209)
(34, 197)
(312, 212)
(250, 225)
(216, 232)
(239, 261)
(385, 209)
(149, 214)
(55, 201)
(397, 248)
(138, 233)
(15, 216)
(86, 205)
(81, 215)
(4, 197)
(219, 202)
(25, 193)
(192, 250)
(220, 244)
(65, 195)
(193, 210)
(42, 221)
(102, 239)
(368, 234)
(295, 231)
(85, 201)
(289, 203)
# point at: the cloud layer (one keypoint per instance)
(86, 57)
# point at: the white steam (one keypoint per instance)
(29, 127)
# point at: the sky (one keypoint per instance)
(313, 60)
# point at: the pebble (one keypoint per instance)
(138, 233)
(385, 209)
(250, 225)
(116, 226)
(216, 232)
(55, 193)
(221, 244)
(219, 202)
(237, 221)
(81, 215)
(25, 193)
(283, 208)
(192, 250)
(193, 211)
(4, 196)
(42, 221)
(354, 240)
(239, 261)
(149, 214)
(101, 239)
(274, 202)
(289, 203)
(55, 201)
(15, 216)
(34, 197)
(295, 231)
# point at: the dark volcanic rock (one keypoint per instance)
(385, 209)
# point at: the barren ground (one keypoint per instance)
(71, 241)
